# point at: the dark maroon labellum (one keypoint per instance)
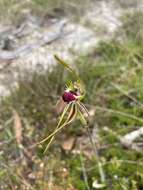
(69, 96)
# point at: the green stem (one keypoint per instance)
(99, 164)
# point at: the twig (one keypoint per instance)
(26, 49)
(128, 139)
(17, 33)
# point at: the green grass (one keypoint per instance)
(133, 26)
(112, 74)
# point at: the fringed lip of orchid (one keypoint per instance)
(69, 96)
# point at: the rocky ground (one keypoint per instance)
(31, 45)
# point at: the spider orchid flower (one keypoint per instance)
(71, 106)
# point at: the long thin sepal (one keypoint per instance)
(82, 118)
(61, 119)
(72, 116)
(52, 138)
(83, 108)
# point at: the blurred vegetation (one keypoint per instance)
(129, 3)
(133, 26)
(112, 74)
(14, 11)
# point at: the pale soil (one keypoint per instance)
(99, 22)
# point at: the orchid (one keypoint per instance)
(71, 103)
(72, 107)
